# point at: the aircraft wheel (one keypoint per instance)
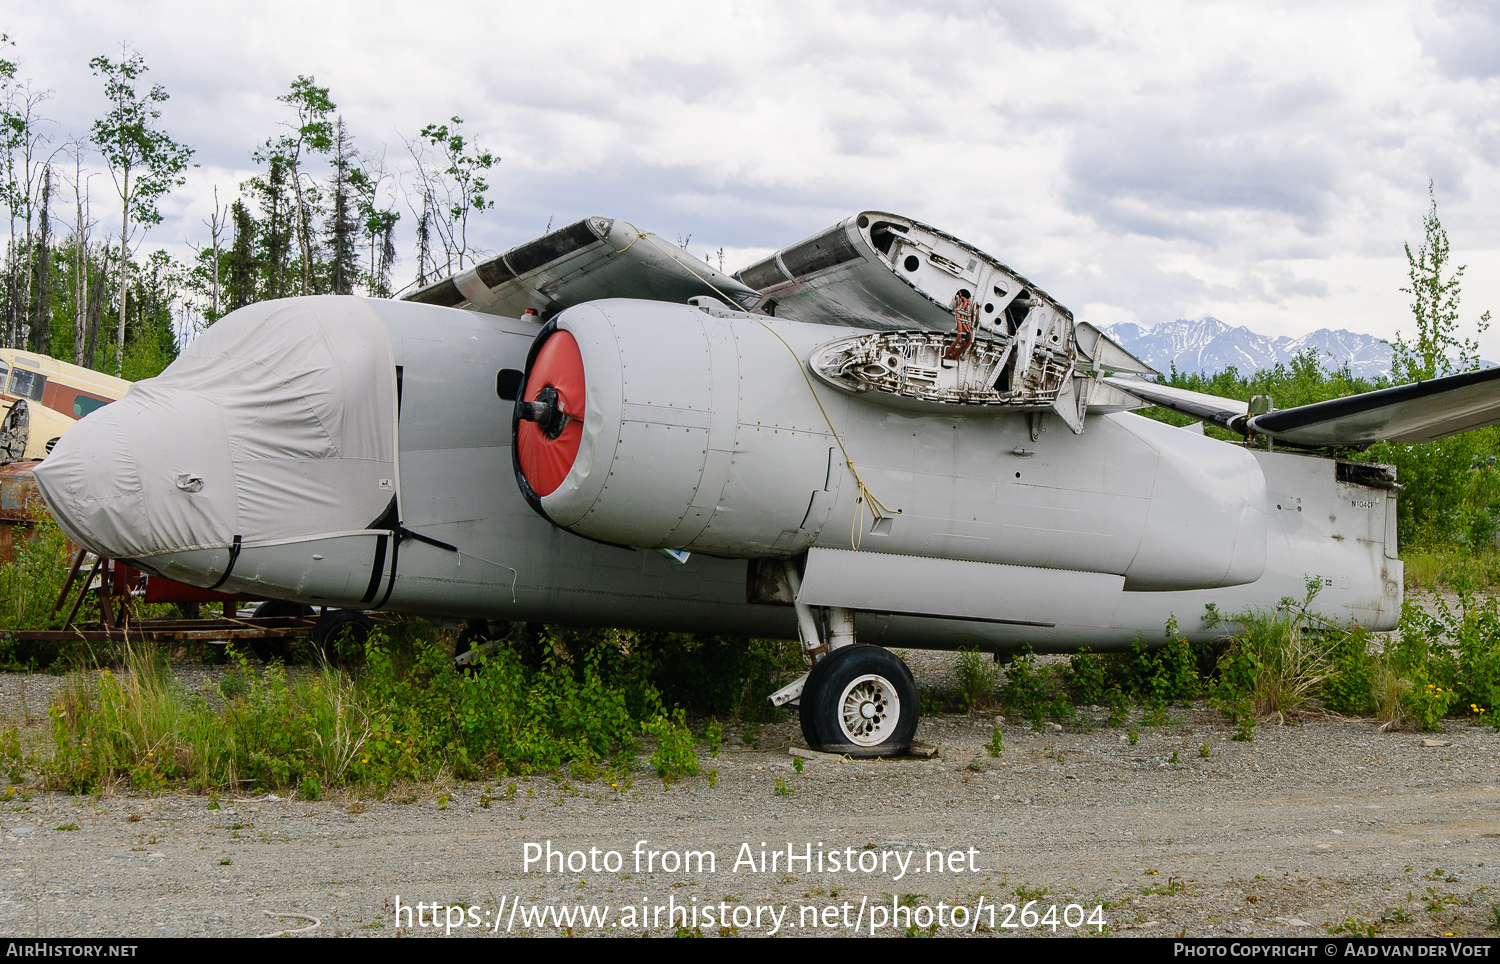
(341, 635)
(268, 648)
(860, 700)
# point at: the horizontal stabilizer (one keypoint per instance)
(1415, 413)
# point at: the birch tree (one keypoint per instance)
(1435, 289)
(312, 134)
(449, 194)
(82, 225)
(144, 160)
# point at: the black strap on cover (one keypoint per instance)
(234, 556)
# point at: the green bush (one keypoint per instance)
(728, 675)
(29, 587)
(1087, 677)
(1034, 692)
(1447, 662)
(674, 755)
(1156, 676)
(1353, 674)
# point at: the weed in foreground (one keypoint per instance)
(977, 676)
(674, 756)
(1275, 664)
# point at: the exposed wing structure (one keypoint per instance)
(879, 270)
(588, 260)
(1415, 413)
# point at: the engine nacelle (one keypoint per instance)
(695, 428)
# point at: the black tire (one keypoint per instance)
(341, 635)
(860, 700)
(475, 633)
(270, 648)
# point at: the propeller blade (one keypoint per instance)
(1223, 412)
(1414, 413)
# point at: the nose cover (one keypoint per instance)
(278, 422)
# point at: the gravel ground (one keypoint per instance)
(1327, 825)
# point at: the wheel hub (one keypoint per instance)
(869, 710)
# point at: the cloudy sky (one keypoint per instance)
(1261, 163)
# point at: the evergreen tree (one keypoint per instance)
(241, 268)
(273, 233)
(380, 228)
(343, 226)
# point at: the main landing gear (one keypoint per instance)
(857, 699)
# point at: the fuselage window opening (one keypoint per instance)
(84, 404)
(27, 384)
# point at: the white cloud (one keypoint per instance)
(1262, 163)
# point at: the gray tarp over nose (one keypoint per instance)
(278, 422)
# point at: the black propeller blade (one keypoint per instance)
(1414, 413)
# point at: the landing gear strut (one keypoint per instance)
(857, 699)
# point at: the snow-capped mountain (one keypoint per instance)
(1209, 345)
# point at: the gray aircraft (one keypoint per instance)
(876, 437)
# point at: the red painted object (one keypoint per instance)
(159, 590)
(545, 461)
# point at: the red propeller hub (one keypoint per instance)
(547, 438)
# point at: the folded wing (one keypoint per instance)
(588, 260)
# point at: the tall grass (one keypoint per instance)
(978, 676)
(138, 727)
(1275, 663)
(1435, 666)
(408, 715)
(30, 584)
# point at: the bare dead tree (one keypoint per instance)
(217, 224)
(82, 225)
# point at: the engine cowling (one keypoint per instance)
(674, 426)
(655, 452)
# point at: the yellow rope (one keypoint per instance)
(638, 235)
(877, 508)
